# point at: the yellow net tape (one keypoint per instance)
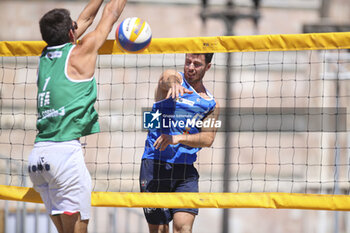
(197, 200)
(316, 41)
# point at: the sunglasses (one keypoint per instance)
(74, 26)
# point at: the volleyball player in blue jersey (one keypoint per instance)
(182, 105)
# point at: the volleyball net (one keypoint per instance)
(283, 142)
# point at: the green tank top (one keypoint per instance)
(65, 106)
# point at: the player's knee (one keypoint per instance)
(182, 228)
(164, 228)
(183, 222)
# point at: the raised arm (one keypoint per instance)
(203, 139)
(83, 58)
(87, 16)
(169, 84)
(111, 12)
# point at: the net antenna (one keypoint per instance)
(229, 14)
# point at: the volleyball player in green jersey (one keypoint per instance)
(66, 97)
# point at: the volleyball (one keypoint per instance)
(133, 35)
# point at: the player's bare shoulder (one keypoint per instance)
(82, 60)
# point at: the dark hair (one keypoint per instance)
(208, 56)
(55, 26)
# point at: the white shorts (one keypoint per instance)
(59, 174)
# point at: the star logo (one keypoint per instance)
(151, 120)
(156, 115)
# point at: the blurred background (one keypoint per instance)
(189, 18)
(182, 18)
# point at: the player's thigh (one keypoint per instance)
(58, 223)
(154, 177)
(69, 223)
(73, 223)
(183, 222)
(72, 188)
(189, 184)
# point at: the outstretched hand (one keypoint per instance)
(164, 140)
(177, 90)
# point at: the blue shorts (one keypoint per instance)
(158, 176)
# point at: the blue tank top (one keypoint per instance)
(178, 117)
